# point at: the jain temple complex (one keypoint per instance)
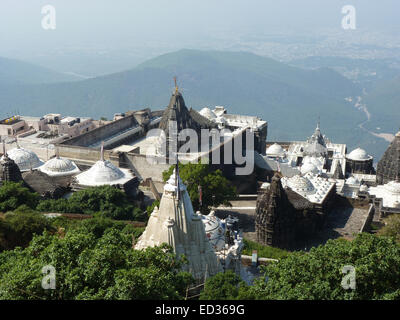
(300, 188)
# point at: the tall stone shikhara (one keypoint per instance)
(388, 168)
(9, 170)
(176, 224)
(176, 118)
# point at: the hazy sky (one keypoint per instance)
(102, 36)
(79, 22)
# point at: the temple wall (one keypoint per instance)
(103, 132)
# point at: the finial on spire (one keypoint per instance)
(57, 153)
(176, 85)
(102, 151)
(319, 122)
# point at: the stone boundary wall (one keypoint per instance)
(83, 153)
(101, 133)
(367, 223)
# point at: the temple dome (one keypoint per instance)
(215, 231)
(25, 159)
(101, 173)
(206, 112)
(364, 188)
(300, 184)
(275, 150)
(59, 167)
(358, 155)
(309, 167)
(393, 187)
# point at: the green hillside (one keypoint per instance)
(291, 99)
(18, 72)
(384, 103)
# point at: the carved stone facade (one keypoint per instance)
(285, 217)
(389, 166)
(9, 170)
(176, 118)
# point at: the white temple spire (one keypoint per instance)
(102, 151)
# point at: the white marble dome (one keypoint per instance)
(215, 231)
(25, 159)
(275, 150)
(206, 112)
(315, 161)
(309, 167)
(358, 155)
(300, 184)
(393, 187)
(59, 167)
(102, 173)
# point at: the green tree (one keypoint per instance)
(150, 209)
(392, 227)
(216, 189)
(96, 264)
(18, 227)
(318, 275)
(14, 194)
(225, 286)
(110, 201)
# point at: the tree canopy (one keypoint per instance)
(14, 194)
(18, 227)
(92, 263)
(318, 275)
(110, 201)
(216, 189)
(225, 286)
(392, 227)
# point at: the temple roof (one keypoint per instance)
(358, 155)
(24, 158)
(45, 185)
(103, 172)
(59, 167)
(177, 111)
(388, 168)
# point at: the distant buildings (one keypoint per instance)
(50, 126)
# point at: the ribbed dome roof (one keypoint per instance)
(309, 167)
(215, 232)
(275, 150)
(206, 112)
(101, 173)
(358, 154)
(300, 184)
(25, 159)
(59, 167)
(315, 161)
